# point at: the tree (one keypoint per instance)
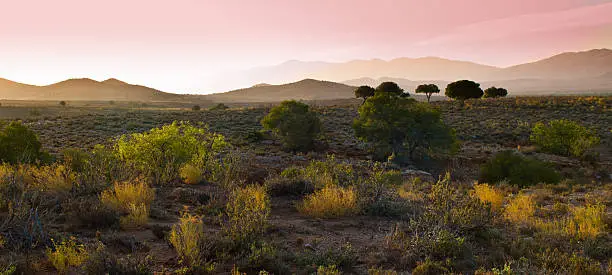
(196, 108)
(19, 144)
(294, 123)
(364, 92)
(390, 88)
(400, 127)
(463, 89)
(493, 92)
(62, 103)
(428, 90)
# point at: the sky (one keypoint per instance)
(192, 46)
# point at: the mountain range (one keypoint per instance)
(566, 73)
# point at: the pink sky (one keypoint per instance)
(186, 45)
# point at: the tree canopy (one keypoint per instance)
(493, 92)
(294, 123)
(19, 144)
(400, 127)
(390, 88)
(364, 92)
(463, 89)
(428, 90)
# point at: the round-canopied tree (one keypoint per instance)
(493, 92)
(364, 92)
(294, 123)
(463, 89)
(391, 88)
(401, 127)
(428, 90)
(19, 144)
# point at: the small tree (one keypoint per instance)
(400, 126)
(428, 90)
(493, 92)
(364, 92)
(196, 108)
(62, 103)
(294, 123)
(463, 89)
(563, 137)
(390, 88)
(19, 144)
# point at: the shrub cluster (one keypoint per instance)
(564, 137)
(517, 170)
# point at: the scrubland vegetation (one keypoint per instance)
(384, 186)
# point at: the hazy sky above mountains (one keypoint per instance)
(186, 45)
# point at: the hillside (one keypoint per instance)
(307, 89)
(88, 90)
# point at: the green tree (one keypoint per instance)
(294, 123)
(364, 92)
(493, 92)
(390, 88)
(463, 89)
(564, 137)
(400, 127)
(428, 90)
(19, 144)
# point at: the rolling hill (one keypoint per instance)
(307, 89)
(89, 90)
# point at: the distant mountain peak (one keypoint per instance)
(114, 81)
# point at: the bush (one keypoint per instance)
(66, 254)
(295, 124)
(196, 108)
(161, 152)
(247, 209)
(587, 222)
(191, 174)
(518, 170)
(133, 199)
(186, 237)
(564, 137)
(76, 159)
(429, 268)
(219, 107)
(331, 201)
(490, 195)
(520, 209)
(19, 144)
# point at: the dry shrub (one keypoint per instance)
(520, 209)
(248, 209)
(132, 198)
(587, 221)
(66, 254)
(331, 201)
(187, 237)
(489, 195)
(56, 179)
(191, 174)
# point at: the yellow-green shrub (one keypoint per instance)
(134, 199)
(331, 201)
(186, 237)
(66, 254)
(587, 221)
(247, 209)
(520, 209)
(490, 195)
(191, 174)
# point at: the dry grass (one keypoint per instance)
(489, 195)
(520, 209)
(186, 238)
(65, 255)
(134, 199)
(248, 209)
(331, 201)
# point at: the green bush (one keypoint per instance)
(564, 137)
(518, 170)
(19, 144)
(219, 107)
(296, 125)
(160, 153)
